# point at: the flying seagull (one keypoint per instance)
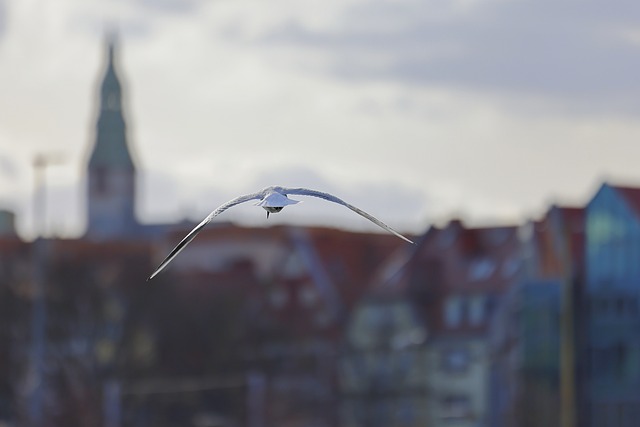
(273, 200)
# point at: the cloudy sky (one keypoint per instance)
(415, 110)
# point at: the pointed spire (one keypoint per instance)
(111, 147)
(111, 93)
(111, 43)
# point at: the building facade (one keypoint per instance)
(534, 337)
(612, 299)
(416, 349)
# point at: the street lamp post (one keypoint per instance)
(35, 385)
(40, 163)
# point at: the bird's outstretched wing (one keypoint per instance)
(189, 237)
(332, 198)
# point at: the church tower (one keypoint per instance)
(111, 168)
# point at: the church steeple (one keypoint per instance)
(111, 146)
(111, 169)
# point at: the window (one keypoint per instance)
(481, 269)
(616, 362)
(459, 309)
(453, 311)
(456, 359)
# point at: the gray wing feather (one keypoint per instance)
(332, 198)
(192, 234)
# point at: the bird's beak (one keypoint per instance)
(267, 214)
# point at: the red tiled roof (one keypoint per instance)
(453, 260)
(572, 213)
(12, 244)
(631, 196)
(561, 229)
(352, 258)
(338, 264)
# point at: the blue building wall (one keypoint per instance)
(612, 311)
(525, 346)
(540, 328)
(612, 242)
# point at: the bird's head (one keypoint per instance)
(273, 209)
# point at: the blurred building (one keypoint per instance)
(533, 337)
(525, 356)
(416, 348)
(612, 297)
(383, 364)
(292, 289)
(15, 290)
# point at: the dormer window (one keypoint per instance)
(481, 269)
(456, 359)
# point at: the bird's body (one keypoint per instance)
(272, 199)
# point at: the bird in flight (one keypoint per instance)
(273, 200)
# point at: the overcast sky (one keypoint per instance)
(414, 110)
